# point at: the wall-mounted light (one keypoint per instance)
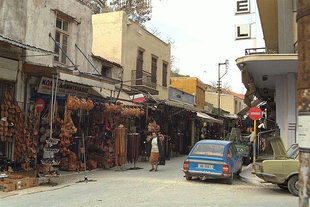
(242, 66)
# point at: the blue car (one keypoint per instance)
(213, 159)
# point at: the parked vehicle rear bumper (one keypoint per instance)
(193, 173)
(260, 174)
(270, 178)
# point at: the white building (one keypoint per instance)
(270, 74)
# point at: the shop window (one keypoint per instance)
(62, 38)
(154, 70)
(165, 71)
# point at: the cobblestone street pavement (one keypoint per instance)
(167, 187)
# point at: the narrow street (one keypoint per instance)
(167, 187)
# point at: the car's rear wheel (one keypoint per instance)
(282, 186)
(293, 185)
(187, 177)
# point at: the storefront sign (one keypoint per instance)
(303, 131)
(64, 87)
(255, 113)
(40, 104)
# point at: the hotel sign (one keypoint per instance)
(242, 6)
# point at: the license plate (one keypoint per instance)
(205, 166)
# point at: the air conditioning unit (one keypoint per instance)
(243, 31)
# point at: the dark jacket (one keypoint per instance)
(160, 148)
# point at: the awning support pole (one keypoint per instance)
(87, 59)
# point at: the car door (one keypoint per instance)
(231, 156)
(238, 158)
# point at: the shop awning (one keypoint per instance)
(25, 46)
(208, 118)
(181, 105)
(86, 81)
(246, 109)
(189, 107)
(123, 97)
(231, 116)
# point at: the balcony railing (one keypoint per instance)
(142, 78)
(259, 50)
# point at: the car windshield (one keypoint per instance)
(292, 151)
(210, 150)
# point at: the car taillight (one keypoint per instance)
(225, 169)
(186, 165)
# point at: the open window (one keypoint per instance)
(62, 38)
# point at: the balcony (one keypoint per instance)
(142, 81)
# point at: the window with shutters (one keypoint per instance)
(154, 70)
(165, 72)
(62, 39)
(139, 67)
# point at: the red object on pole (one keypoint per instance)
(255, 113)
(40, 104)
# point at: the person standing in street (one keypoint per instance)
(155, 150)
(251, 138)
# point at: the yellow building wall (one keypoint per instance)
(118, 39)
(107, 36)
(200, 94)
(184, 84)
(227, 101)
(192, 86)
(135, 38)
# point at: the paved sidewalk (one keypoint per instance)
(66, 179)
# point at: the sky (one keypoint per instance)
(203, 32)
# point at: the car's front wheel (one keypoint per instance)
(293, 185)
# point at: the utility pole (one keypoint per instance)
(303, 100)
(226, 63)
